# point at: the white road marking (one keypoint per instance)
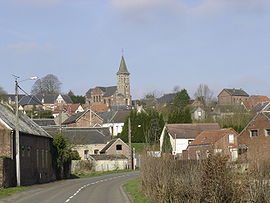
(85, 186)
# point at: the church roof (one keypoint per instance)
(123, 67)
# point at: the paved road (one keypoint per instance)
(101, 189)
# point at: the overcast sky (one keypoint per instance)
(167, 43)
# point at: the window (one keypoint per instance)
(218, 150)
(207, 153)
(119, 147)
(254, 133)
(189, 141)
(96, 151)
(86, 154)
(231, 139)
(267, 132)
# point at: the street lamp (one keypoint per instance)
(17, 136)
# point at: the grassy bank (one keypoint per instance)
(9, 191)
(134, 191)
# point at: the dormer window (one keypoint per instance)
(267, 132)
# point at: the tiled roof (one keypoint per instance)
(99, 107)
(267, 114)
(236, 92)
(212, 136)
(107, 157)
(26, 125)
(107, 116)
(254, 100)
(123, 67)
(182, 131)
(261, 106)
(67, 108)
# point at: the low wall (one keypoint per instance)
(7, 173)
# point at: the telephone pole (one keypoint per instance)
(17, 134)
(129, 143)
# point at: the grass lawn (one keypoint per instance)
(92, 174)
(133, 189)
(139, 147)
(9, 191)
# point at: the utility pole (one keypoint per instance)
(129, 143)
(17, 134)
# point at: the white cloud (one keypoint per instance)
(27, 47)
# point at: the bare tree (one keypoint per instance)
(2, 94)
(204, 94)
(47, 85)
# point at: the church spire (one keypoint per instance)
(123, 67)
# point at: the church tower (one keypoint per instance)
(123, 84)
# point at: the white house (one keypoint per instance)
(181, 135)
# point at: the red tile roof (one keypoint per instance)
(99, 108)
(254, 100)
(71, 108)
(212, 136)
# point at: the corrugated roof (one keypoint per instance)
(26, 125)
(212, 136)
(182, 131)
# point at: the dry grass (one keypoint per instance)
(212, 180)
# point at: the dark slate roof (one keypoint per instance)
(187, 131)
(85, 136)
(167, 98)
(107, 116)
(108, 91)
(120, 117)
(12, 97)
(42, 99)
(108, 146)
(45, 122)
(123, 67)
(260, 106)
(236, 92)
(26, 125)
(107, 157)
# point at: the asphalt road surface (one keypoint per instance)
(100, 189)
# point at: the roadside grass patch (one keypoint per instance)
(9, 191)
(134, 190)
(92, 174)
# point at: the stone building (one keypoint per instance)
(36, 158)
(232, 96)
(112, 95)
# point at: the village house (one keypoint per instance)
(70, 109)
(36, 165)
(114, 120)
(232, 96)
(254, 140)
(86, 118)
(116, 147)
(112, 95)
(44, 102)
(181, 135)
(213, 141)
(198, 113)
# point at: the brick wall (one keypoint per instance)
(259, 146)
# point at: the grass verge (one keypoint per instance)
(92, 174)
(9, 191)
(134, 191)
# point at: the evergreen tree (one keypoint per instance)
(181, 99)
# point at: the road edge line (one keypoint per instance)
(125, 194)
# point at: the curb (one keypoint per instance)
(125, 194)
